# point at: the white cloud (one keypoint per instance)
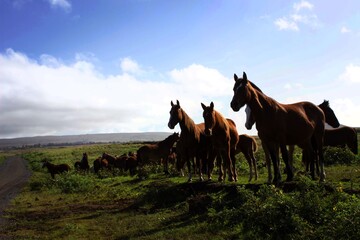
(351, 74)
(285, 24)
(297, 18)
(345, 30)
(303, 5)
(129, 66)
(64, 4)
(47, 96)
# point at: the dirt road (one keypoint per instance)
(13, 175)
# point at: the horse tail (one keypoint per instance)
(255, 146)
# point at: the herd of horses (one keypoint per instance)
(280, 127)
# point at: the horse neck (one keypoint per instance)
(187, 125)
(220, 123)
(259, 104)
(168, 142)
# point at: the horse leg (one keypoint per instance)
(219, 162)
(249, 160)
(188, 162)
(274, 155)
(166, 165)
(268, 162)
(198, 160)
(285, 155)
(253, 160)
(210, 162)
(320, 156)
(233, 163)
(228, 163)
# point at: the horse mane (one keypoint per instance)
(188, 123)
(254, 86)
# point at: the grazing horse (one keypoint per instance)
(224, 138)
(56, 169)
(100, 163)
(278, 125)
(248, 146)
(342, 137)
(157, 152)
(189, 144)
(131, 163)
(83, 164)
(330, 118)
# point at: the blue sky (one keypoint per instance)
(75, 67)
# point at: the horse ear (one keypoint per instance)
(244, 76)
(203, 106)
(235, 77)
(212, 106)
(172, 104)
(178, 103)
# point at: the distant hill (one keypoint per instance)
(82, 139)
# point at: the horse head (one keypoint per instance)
(175, 114)
(209, 118)
(330, 117)
(240, 92)
(250, 120)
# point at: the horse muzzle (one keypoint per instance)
(235, 106)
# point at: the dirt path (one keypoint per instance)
(13, 176)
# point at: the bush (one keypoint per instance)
(337, 155)
(74, 183)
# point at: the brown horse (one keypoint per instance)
(224, 139)
(189, 145)
(83, 164)
(100, 163)
(330, 118)
(131, 163)
(248, 146)
(278, 125)
(56, 169)
(155, 153)
(342, 137)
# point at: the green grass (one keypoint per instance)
(117, 206)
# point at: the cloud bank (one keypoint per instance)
(48, 97)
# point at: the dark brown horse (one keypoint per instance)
(156, 153)
(131, 163)
(278, 125)
(100, 163)
(330, 118)
(189, 145)
(83, 164)
(56, 169)
(224, 137)
(342, 137)
(248, 146)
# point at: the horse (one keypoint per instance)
(131, 163)
(278, 125)
(330, 118)
(83, 164)
(56, 169)
(224, 138)
(156, 152)
(248, 146)
(100, 163)
(189, 145)
(342, 137)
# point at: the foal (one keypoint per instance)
(56, 169)
(224, 138)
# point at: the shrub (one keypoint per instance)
(337, 155)
(74, 183)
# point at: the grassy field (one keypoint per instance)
(113, 205)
